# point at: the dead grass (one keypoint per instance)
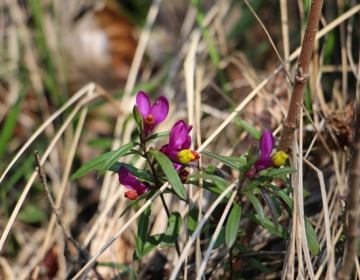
(56, 121)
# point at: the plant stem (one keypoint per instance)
(147, 156)
(301, 76)
(353, 205)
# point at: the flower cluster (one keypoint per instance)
(177, 150)
(266, 146)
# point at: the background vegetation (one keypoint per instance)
(69, 72)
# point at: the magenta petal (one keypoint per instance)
(263, 164)
(266, 144)
(178, 135)
(143, 103)
(160, 110)
(130, 182)
(172, 155)
(187, 143)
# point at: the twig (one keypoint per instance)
(353, 205)
(301, 76)
(58, 214)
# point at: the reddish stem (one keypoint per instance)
(302, 73)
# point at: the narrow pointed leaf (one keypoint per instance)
(232, 164)
(173, 229)
(268, 176)
(170, 173)
(269, 225)
(138, 119)
(220, 239)
(232, 225)
(257, 264)
(284, 196)
(114, 156)
(158, 135)
(251, 129)
(192, 220)
(312, 240)
(142, 233)
(257, 205)
(216, 188)
(271, 206)
(151, 243)
(95, 163)
(213, 178)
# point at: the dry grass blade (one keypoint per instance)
(197, 231)
(215, 62)
(46, 154)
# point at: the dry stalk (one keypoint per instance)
(301, 76)
(56, 211)
(353, 206)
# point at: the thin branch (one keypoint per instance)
(301, 76)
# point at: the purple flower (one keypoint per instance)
(152, 115)
(266, 146)
(130, 182)
(179, 140)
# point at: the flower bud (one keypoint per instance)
(132, 194)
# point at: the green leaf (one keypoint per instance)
(192, 220)
(257, 264)
(142, 233)
(158, 135)
(217, 188)
(257, 205)
(170, 173)
(269, 225)
(114, 156)
(284, 196)
(241, 248)
(232, 225)
(220, 239)
(173, 229)
(269, 202)
(251, 129)
(151, 243)
(276, 204)
(311, 237)
(268, 176)
(239, 160)
(95, 163)
(225, 160)
(138, 119)
(8, 126)
(213, 178)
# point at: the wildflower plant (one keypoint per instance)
(172, 162)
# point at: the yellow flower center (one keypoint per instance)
(279, 158)
(185, 156)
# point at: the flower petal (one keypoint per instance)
(130, 182)
(267, 142)
(143, 103)
(178, 136)
(160, 110)
(262, 164)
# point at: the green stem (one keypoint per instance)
(153, 173)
